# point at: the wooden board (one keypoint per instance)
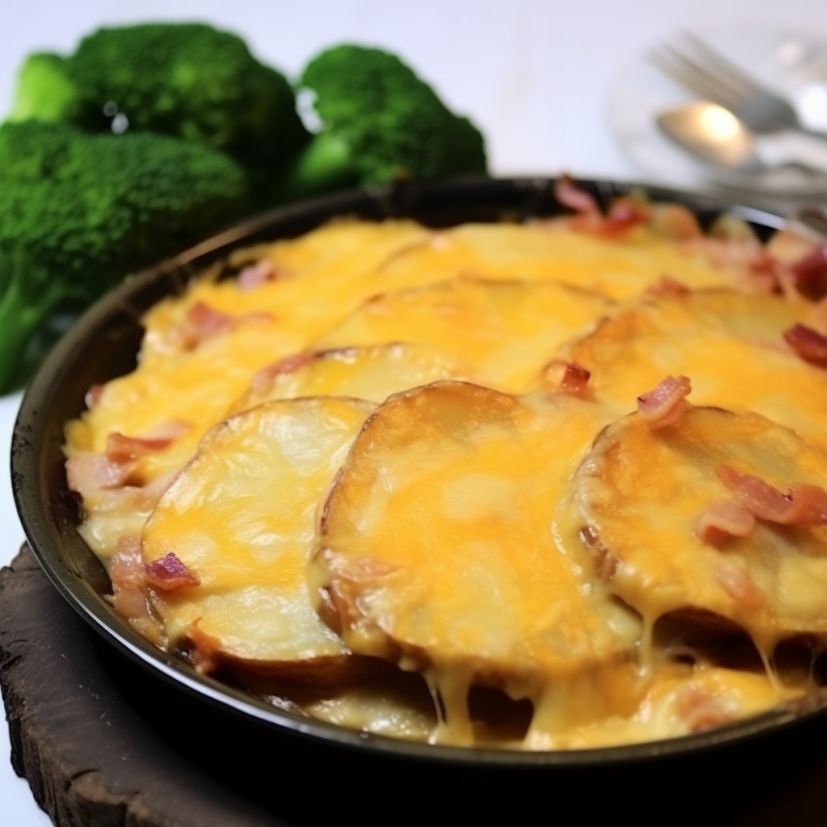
(103, 744)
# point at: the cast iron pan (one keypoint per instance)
(102, 345)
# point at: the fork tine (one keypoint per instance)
(723, 67)
(692, 75)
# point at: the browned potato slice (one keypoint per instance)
(729, 344)
(372, 373)
(241, 516)
(436, 548)
(504, 329)
(642, 492)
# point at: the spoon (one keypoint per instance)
(715, 136)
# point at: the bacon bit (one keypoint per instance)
(809, 344)
(668, 287)
(624, 213)
(569, 377)
(803, 504)
(575, 379)
(206, 321)
(257, 274)
(738, 584)
(665, 404)
(128, 575)
(89, 472)
(722, 520)
(575, 198)
(93, 396)
(263, 379)
(170, 574)
(700, 709)
(810, 273)
(121, 448)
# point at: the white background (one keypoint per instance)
(534, 76)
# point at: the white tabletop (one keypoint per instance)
(532, 73)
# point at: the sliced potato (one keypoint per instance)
(436, 547)
(372, 373)
(317, 279)
(618, 267)
(241, 516)
(641, 492)
(505, 330)
(729, 344)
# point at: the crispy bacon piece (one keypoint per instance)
(575, 379)
(122, 448)
(668, 287)
(574, 197)
(569, 377)
(128, 575)
(803, 504)
(810, 272)
(205, 321)
(256, 274)
(169, 574)
(809, 344)
(623, 214)
(89, 472)
(263, 379)
(738, 584)
(664, 404)
(724, 519)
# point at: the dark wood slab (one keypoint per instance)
(102, 743)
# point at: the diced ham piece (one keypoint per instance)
(802, 504)
(665, 403)
(168, 573)
(724, 519)
(574, 197)
(738, 584)
(89, 472)
(809, 344)
(256, 274)
(128, 575)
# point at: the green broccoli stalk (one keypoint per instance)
(80, 211)
(188, 80)
(379, 122)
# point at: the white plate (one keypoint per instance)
(795, 63)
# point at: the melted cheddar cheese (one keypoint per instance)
(391, 474)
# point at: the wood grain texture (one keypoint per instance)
(102, 743)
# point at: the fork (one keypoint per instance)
(696, 66)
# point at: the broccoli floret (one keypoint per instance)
(79, 211)
(189, 80)
(46, 92)
(379, 122)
